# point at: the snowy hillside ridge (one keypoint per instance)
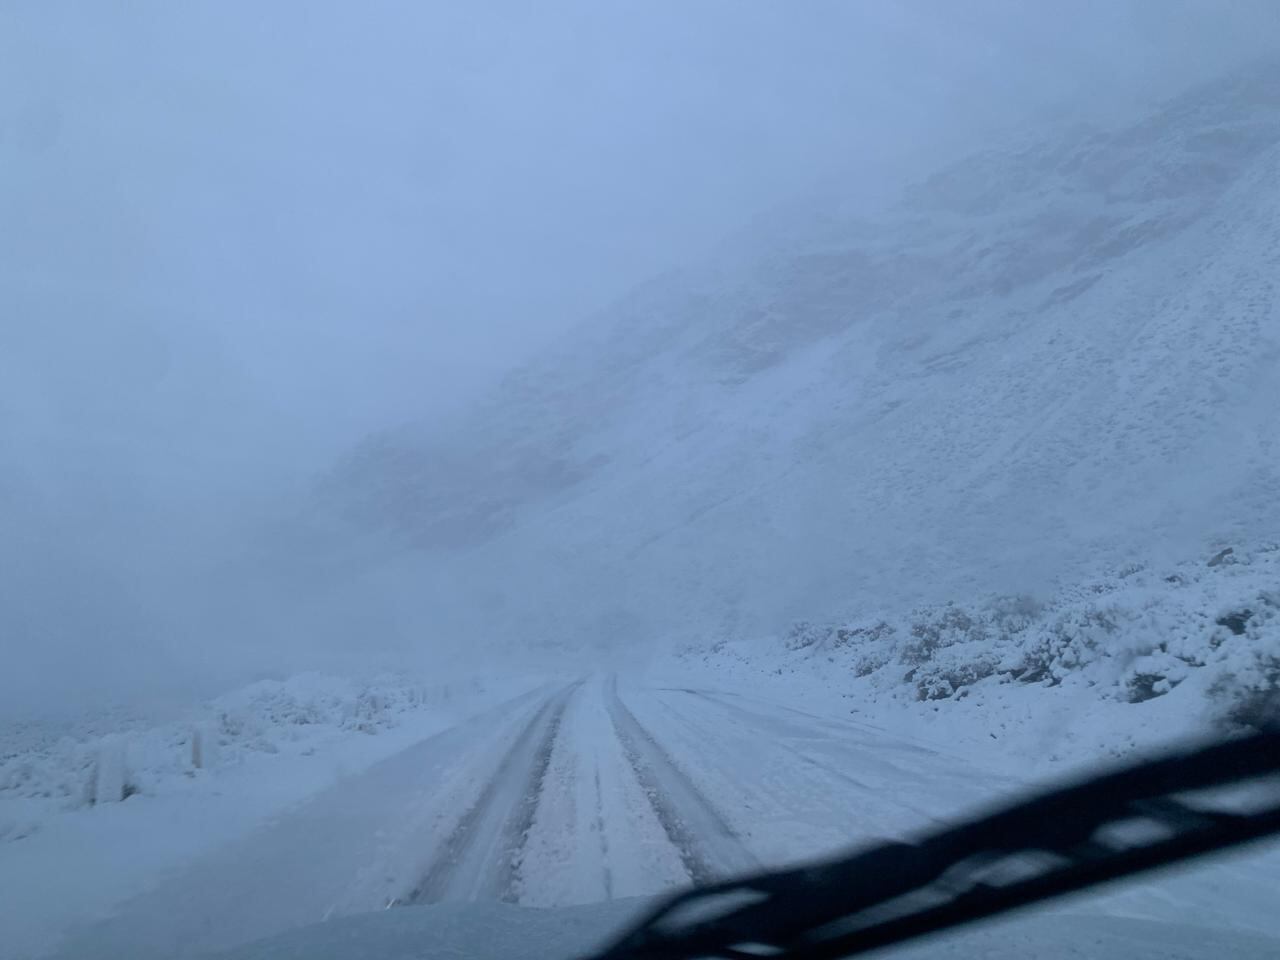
(1132, 636)
(295, 716)
(1048, 219)
(1044, 360)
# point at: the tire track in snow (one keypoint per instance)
(708, 846)
(479, 860)
(607, 873)
(596, 835)
(527, 809)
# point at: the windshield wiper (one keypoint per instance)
(1134, 819)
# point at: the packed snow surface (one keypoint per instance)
(568, 792)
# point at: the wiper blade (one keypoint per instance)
(1134, 819)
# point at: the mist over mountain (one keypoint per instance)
(1060, 352)
(233, 243)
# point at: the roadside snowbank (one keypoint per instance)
(41, 776)
(192, 786)
(1133, 658)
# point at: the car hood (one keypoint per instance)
(505, 932)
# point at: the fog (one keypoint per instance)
(237, 237)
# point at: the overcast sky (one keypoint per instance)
(236, 235)
(344, 213)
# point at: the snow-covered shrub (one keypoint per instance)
(1235, 620)
(1246, 694)
(869, 661)
(952, 647)
(948, 675)
(1061, 645)
(931, 630)
(863, 636)
(871, 641)
(1147, 685)
(1249, 699)
(256, 714)
(1131, 635)
(804, 634)
(61, 773)
(47, 773)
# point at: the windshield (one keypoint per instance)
(459, 461)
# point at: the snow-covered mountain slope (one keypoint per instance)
(1044, 358)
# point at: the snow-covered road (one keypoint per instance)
(575, 792)
(607, 793)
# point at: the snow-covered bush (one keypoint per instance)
(804, 634)
(1250, 699)
(1246, 645)
(1131, 636)
(1063, 644)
